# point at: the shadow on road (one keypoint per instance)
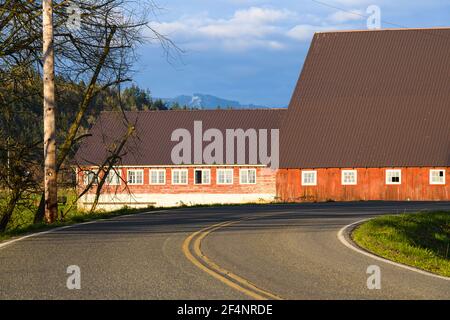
(186, 220)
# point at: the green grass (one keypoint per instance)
(421, 240)
(25, 210)
(70, 219)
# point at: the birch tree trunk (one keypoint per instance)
(50, 179)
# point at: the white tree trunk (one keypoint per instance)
(50, 185)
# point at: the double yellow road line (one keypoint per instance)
(192, 250)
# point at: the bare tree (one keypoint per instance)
(108, 166)
(18, 176)
(100, 53)
(20, 150)
(115, 151)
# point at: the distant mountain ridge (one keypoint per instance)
(207, 101)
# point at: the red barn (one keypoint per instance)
(368, 120)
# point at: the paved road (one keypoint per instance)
(290, 251)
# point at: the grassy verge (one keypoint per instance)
(72, 219)
(421, 240)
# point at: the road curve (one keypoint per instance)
(285, 251)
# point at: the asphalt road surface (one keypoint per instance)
(241, 252)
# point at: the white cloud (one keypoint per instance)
(345, 16)
(304, 32)
(256, 15)
(254, 27)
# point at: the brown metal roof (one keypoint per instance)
(152, 145)
(371, 99)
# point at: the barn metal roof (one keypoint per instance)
(371, 99)
(151, 144)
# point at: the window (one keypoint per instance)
(349, 177)
(437, 176)
(113, 177)
(247, 176)
(135, 176)
(179, 176)
(158, 176)
(90, 177)
(309, 178)
(202, 176)
(224, 176)
(393, 176)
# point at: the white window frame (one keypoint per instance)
(246, 170)
(158, 171)
(346, 183)
(441, 183)
(389, 171)
(304, 173)
(179, 171)
(135, 183)
(203, 170)
(86, 173)
(115, 172)
(224, 170)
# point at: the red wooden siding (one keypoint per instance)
(415, 185)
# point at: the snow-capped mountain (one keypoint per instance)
(206, 101)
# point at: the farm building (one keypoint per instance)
(146, 173)
(368, 120)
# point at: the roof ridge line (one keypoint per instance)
(384, 29)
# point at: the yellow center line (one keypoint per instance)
(199, 259)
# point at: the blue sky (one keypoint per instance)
(253, 50)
